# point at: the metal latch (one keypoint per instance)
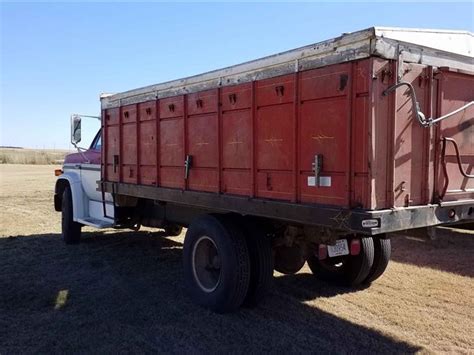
(317, 180)
(317, 167)
(188, 163)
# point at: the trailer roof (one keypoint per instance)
(440, 48)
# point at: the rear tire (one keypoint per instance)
(382, 252)
(71, 231)
(261, 261)
(216, 263)
(349, 270)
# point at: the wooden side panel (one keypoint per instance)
(172, 153)
(236, 134)
(254, 139)
(274, 138)
(260, 139)
(171, 107)
(147, 148)
(112, 148)
(360, 181)
(147, 143)
(456, 90)
(411, 141)
(325, 114)
(380, 134)
(128, 158)
(202, 140)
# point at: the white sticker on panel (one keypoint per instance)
(325, 181)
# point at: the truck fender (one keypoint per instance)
(73, 180)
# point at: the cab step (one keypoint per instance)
(97, 223)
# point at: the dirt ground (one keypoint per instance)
(123, 291)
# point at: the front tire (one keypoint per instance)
(71, 231)
(216, 263)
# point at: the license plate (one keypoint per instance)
(341, 248)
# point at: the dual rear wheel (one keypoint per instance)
(227, 262)
(353, 270)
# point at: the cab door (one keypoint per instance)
(90, 169)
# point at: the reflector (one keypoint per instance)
(355, 246)
(322, 252)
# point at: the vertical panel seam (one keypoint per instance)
(137, 128)
(254, 155)
(158, 140)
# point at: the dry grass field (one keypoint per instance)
(121, 291)
(31, 156)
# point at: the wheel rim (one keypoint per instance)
(206, 264)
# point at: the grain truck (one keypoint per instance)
(313, 155)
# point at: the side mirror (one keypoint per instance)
(75, 129)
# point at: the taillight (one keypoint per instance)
(322, 252)
(58, 172)
(355, 247)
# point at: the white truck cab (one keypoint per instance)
(76, 191)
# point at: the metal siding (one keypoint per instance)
(202, 102)
(324, 121)
(171, 151)
(111, 143)
(203, 147)
(410, 141)
(129, 153)
(236, 97)
(274, 137)
(259, 139)
(202, 140)
(147, 144)
(236, 139)
(171, 107)
(129, 114)
(380, 136)
(359, 132)
(456, 90)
